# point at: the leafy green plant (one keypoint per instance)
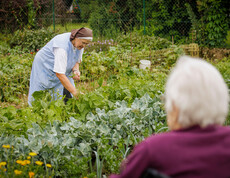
(224, 67)
(209, 22)
(14, 165)
(104, 24)
(138, 42)
(169, 19)
(32, 12)
(31, 40)
(99, 46)
(215, 28)
(228, 39)
(64, 144)
(15, 72)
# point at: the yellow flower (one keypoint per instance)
(19, 161)
(39, 163)
(2, 164)
(48, 165)
(5, 146)
(17, 172)
(23, 163)
(33, 154)
(31, 174)
(28, 157)
(27, 161)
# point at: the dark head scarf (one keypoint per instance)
(82, 33)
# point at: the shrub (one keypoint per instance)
(31, 40)
(106, 23)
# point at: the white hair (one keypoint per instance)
(198, 90)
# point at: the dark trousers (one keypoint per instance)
(66, 95)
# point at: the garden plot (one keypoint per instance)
(121, 106)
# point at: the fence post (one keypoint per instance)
(144, 15)
(53, 16)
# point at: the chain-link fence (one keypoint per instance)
(180, 21)
(174, 19)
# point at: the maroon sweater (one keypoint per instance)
(188, 153)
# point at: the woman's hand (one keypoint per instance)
(76, 75)
(75, 94)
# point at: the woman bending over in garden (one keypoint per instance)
(198, 144)
(54, 63)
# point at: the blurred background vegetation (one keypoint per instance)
(204, 22)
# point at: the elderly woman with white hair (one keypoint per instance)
(198, 144)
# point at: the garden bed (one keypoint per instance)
(121, 106)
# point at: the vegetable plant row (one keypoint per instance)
(78, 144)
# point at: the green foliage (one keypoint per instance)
(91, 135)
(203, 21)
(127, 87)
(228, 39)
(131, 84)
(106, 24)
(99, 46)
(213, 23)
(20, 15)
(112, 59)
(109, 62)
(87, 7)
(73, 142)
(192, 17)
(32, 12)
(158, 50)
(31, 40)
(67, 27)
(15, 71)
(4, 46)
(224, 67)
(209, 22)
(140, 42)
(110, 18)
(15, 164)
(168, 18)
